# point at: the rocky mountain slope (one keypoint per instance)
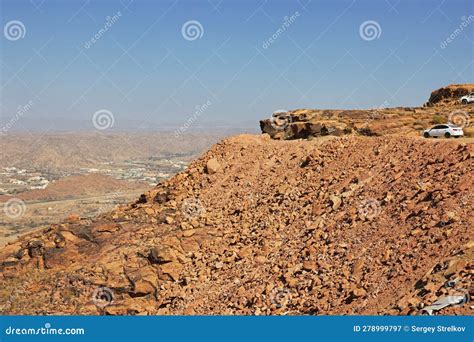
(334, 225)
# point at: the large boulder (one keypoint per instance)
(303, 124)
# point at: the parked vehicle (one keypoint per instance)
(467, 98)
(445, 130)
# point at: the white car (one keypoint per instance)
(446, 130)
(467, 98)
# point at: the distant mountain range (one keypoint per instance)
(88, 149)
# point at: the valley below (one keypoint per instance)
(55, 177)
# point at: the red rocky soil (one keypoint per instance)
(334, 225)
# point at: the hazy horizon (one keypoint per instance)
(137, 64)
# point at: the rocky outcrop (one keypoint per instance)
(450, 94)
(341, 225)
(443, 106)
(302, 124)
(311, 123)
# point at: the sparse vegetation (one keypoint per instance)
(437, 119)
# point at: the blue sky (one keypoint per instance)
(144, 71)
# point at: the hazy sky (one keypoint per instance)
(233, 62)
